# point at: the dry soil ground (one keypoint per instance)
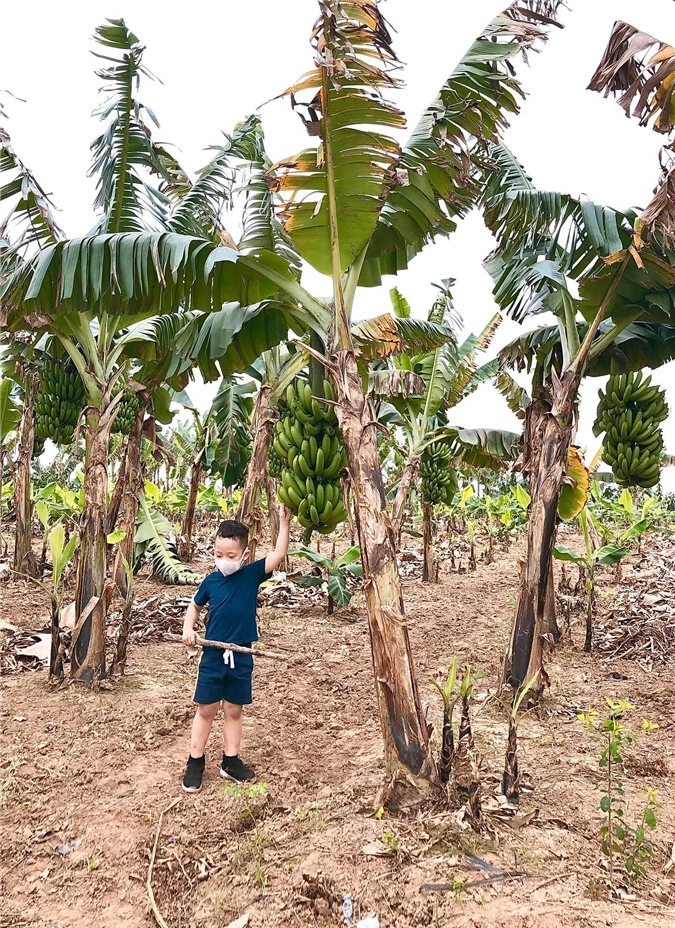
(85, 776)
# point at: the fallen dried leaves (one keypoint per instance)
(641, 623)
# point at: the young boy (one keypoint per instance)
(226, 676)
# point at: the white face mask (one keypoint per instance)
(227, 566)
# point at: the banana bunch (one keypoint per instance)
(439, 478)
(276, 464)
(59, 403)
(308, 444)
(38, 446)
(126, 413)
(630, 414)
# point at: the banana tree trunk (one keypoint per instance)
(249, 512)
(590, 605)
(24, 559)
(56, 650)
(406, 744)
(409, 474)
(128, 512)
(190, 507)
(128, 508)
(118, 489)
(550, 619)
(549, 429)
(273, 512)
(429, 572)
(92, 592)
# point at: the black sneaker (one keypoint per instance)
(192, 781)
(233, 768)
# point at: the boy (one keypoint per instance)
(226, 676)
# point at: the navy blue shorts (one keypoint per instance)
(224, 675)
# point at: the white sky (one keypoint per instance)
(218, 62)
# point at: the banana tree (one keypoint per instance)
(28, 223)
(92, 329)
(588, 561)
(154, 409)
(152, 541)
(365, 209)
(22, 360)
(355, 207)
(447, 375)
(539, 351)
(334, 571)
(220, 445)
(88, 334)
(599, 271)
(206, 337)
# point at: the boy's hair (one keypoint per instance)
(230, 528)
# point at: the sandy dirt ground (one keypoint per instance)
(84, 777)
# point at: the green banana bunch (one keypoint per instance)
(59, 403)
(275, 464)
(439, 478)
(126, 413)
(630, 413)
(307, 444)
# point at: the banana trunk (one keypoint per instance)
(133, 484)
(410, 472)
(408, 756)
(190, 507)
(92, 592)
(429, 569)
(24, 559)
(257, 475)
(549, 428)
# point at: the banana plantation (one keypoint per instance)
(466, 660)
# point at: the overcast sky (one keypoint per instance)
(219, 62)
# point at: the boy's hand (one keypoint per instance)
(285, 515)
(189, 637)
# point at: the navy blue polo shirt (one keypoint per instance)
(232, 603)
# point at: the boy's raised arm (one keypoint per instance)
(274, 558)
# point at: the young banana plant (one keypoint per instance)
(511, 775)
(465, 772)
(450, 698)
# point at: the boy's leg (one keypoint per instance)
(232, 767)
(232, 725)
(201, 727)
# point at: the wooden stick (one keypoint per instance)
(552, 879)
(240, 649)
(453, 887)
(151, 896)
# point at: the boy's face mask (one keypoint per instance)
(228, 565)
